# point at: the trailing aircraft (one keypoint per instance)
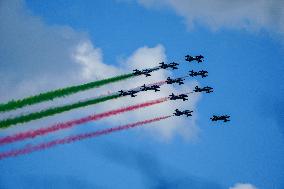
(137, 72)
(177, 80)
(185, 112)
(148, 88)
(205, 89)
(128, 93)
(145, 72)
(176, 97)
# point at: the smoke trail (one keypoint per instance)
(75, 138)
(70, 124)
(51, 111)
(15, 104)
(56, 110)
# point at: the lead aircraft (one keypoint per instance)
(224, 118)
(204, 89)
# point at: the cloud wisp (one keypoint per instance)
(249, 15)
(243, 186)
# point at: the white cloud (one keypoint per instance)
(242, 14)
(36, 57)
(33, 56)
(91, 61)
(243, 186)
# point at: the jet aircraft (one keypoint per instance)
(148, 88)
(177, 80)
(126, 93)
(202, 73)
(172, 65)
(205, 89)
(181, 96)
(137, 72)
(145, 72)
(198, 58)
(185, 112)
(224, 118)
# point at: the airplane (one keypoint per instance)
(225, 118)
(205, 89)
(152, 87)
(181, 96)
(137, 72)
(126, 93)
(145, 72)
(172, 65)
(185, 112)
(198, 58)
(202, 73)
(177, 80)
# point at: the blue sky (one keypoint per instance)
(245, 65)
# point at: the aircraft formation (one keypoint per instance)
(63, 92)
(179, 81)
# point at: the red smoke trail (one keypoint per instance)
(72, 123)
(159, 83)
(75, 138)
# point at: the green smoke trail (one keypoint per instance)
(15, 104)
(51, 111)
